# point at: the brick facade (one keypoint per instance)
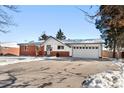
(59, 53)
(31, 50)
(106, 53)
(27, 50)
(110, 54)
(122, 54)
(10, 51)
(41, 51)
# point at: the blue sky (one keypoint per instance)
(33, 20)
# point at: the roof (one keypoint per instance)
(67, 42)
(32, 42)
(56, 40)
(9, 44)
(87, 41)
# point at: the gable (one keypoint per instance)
(53, 41)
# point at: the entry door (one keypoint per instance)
(48, 49)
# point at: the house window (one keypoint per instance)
(48, 48)
(80, 47)
(37, 48)
(92, 47)
(26, 48)
(83, 47)
(6, 47)
(86, 47)
(60, 47)
(74, 47)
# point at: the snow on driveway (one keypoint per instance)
(107, 79)
(12, 60)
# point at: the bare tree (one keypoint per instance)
(5, 17)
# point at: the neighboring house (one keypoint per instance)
(9, 48)
(89, 48)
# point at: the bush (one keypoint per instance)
(8, 54)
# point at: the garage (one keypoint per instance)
(86, 51)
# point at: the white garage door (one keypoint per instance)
(86, 52)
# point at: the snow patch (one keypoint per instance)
(12, 60)
(107, 79)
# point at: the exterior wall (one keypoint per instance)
(100, 50)
(107, 53)
(60, 53)
(54, 44)
(41, 52)
(29, 52)
(10, 51)
(122, 54)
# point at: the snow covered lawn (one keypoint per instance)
(12, 60)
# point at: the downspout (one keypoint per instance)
(72, 52)
(101, 50)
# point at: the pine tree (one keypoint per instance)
(110, 22)
(43, 36)
(60, 35)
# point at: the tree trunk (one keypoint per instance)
(118, 53)
(114, 48)
(115, 43)
(113, 53)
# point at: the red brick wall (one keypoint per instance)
(110, 54)
(61, 53)
(106, 53)
(122, 54)
(13, 51)
(32, 52)
(41, 51)
(29, 52)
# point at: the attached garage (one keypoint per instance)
(86, 51)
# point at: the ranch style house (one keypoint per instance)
(87, 48)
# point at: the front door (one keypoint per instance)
(48, 49)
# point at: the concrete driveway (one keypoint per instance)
(50, 73)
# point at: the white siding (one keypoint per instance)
(54, 44)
